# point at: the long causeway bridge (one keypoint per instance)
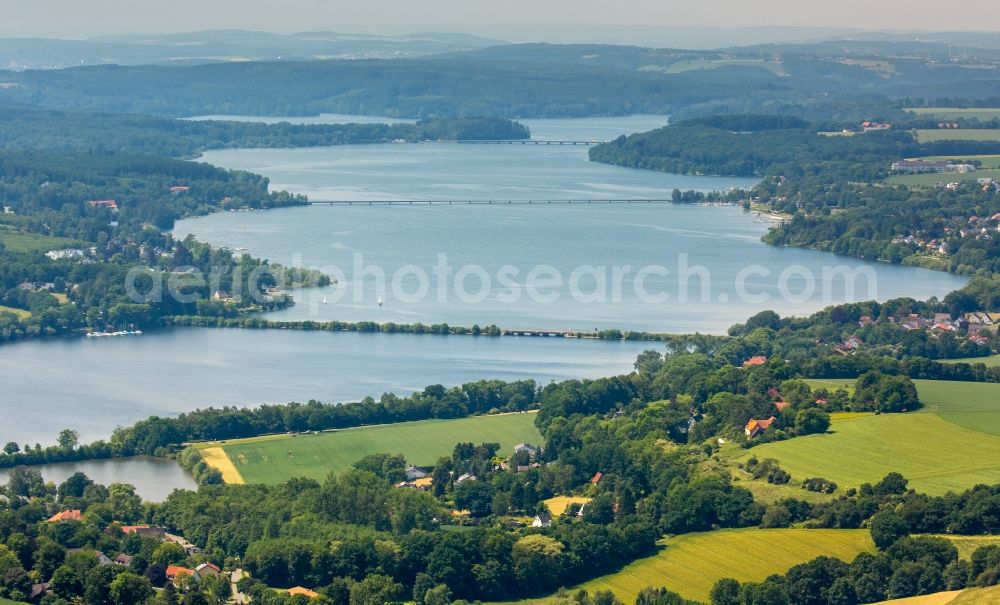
(521, 142)
(486, 202)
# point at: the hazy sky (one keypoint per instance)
(83, 18)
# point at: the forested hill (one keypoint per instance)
(511, 81)
(404, 88)
(26, 127)
(757, 145)
(744, 146)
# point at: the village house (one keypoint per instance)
(871, 125)
(850, 345)
(178, 189)
(38, 591)
(979, 339)
(111, 205)
(755, 427)
(67, 515)
(124, 559)
(542, 519)
(526, 447)
(175, 573)
(206, 570)
(756, 360)
(465, 477)
(412, 473)
(66, 254)
(145, 531)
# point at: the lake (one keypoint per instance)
(154, 478)
(95, 384)
(680, 268)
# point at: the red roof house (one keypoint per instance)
(109, 204)
(176, 572)
(67, 515)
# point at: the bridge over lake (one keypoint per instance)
(487, 202)
(521, 142)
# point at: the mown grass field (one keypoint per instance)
(954, 113)
(931, 179)
(966, 545)
(952, 444)
(702, 64)
(274, 459)
(558, 504)
(32, 242)
(969, 596)
(991, 362)
(985, 161)
(21, 313)
(691, 564)
(938, 598)
(4, 601)
(958, 134)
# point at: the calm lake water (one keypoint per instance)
(154, 478)
(703, 268)
(94, 385)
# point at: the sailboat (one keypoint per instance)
(380, 301)
(324, 300)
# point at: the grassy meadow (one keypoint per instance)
(991, 362)
(774, 67)
(957, 134)
(966, 545)
(692, 563)
(969, 596)
(21, 313)
(930, 179)
(32, 242)
(275, 458)
(557, 505)
(950, 445)
(954, 113)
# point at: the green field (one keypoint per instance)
(4, 601)
(966, 545)
(692, 563)
(32, 242)
(985, 161)
(952, 444)
(991, 362)
(969, 596)
(958, 134)
(774, 67)
(929, 179)
(954, 113)
(274, 459)
(21, 313)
